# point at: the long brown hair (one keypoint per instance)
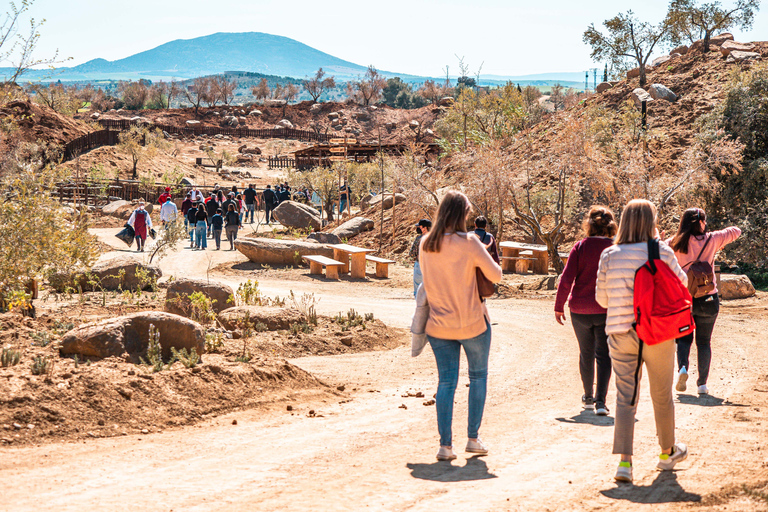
(600, 222)
(638, 222)
(689, 225)
(451, 218)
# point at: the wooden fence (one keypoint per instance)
(281, 162)
(88, 142)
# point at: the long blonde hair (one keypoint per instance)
(638, 222)
(451, 217)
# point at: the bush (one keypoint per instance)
(42, 365)
(10, 357)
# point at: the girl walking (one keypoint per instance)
(693, 244)
(577, 284)
(233, 222)
(449, 258)
(201, 227)
(614, 291)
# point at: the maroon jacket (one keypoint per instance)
(579, 277)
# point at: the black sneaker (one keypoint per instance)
(601, 409)
(588, 402)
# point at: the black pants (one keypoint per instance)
(593, 346)
(268, 209)
(705, 311)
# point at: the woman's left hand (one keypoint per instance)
(560, 317)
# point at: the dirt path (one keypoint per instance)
(368, 453)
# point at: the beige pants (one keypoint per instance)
(660, 363)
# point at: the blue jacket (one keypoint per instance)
(217, 222)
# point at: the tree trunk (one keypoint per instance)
(705, 46)
(642, 75)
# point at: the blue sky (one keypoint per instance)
(408, 36)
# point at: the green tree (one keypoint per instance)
(690, 20)
(141, 143)
(134, 94)
(627, 38)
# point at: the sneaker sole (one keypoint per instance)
(601, 412)
(621, 478)
(447, 458)
(481, 452)
(681, 380)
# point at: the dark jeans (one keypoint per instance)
(705, 311)
(593, 346)
(231, 236)
(217, 237)
(268, 209)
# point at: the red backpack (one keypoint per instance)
(661, 302)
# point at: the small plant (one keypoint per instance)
(201, 308)
(306, 306)
(299, 328)
(10, 357)
(41, 339)
(248, 294)
(61, 327)
(188, 358)
(145, 279)
(77, 361)
(245, 356)
(296, 259)
(42, 365)
(154, 351)
(260, 327)
(369, 317)
(213, 342)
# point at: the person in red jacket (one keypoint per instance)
(587, 316)
(164, 196)
(141, 223)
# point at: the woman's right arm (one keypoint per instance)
(566, 280)
(725, 236)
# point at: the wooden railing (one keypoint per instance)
(281, 162)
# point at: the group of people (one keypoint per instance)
(208, 217)
(598, 284)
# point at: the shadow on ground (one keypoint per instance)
(664, 489)
(589, 417)
(445, 471)
(706, 401)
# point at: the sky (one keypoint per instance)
(418, 37)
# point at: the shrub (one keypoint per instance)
(188, 358)
(42, 365)
(9, 357)
(154, 351)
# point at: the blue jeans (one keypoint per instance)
(447, 355)
(250, 209)
(200, 235)
(342, 206)
(417, 277)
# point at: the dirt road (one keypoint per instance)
(369, 453)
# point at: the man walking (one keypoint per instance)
(168, 212)
(270, 199)
(486, 238)
(422, 228)
(250, 202)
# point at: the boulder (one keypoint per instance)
(333, 115)
(363, 116)
(280, 252)
(413, 124)
(639, 95)
(177, 301)
(660, 60)
(730, 46)
(633, 73)
(254, 113)
(353, 227)
(275, 103)
(95, 115)
(737, 56)
(365, 202)
(400, 198)
(233, 122)
(242, 120)
(660, 92)
(284, 123)
(316, 107)
(113, 207)
(243, 317)
(680, 50)
(603, 86)
(129, 336)
(733, 286)
(192, 122)
(297, 215)
(324, 238)
(121, 273)
(446, 101)
(187, 182)
(124, 211)
(720, 39)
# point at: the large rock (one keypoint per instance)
(737, 56)
(179, 290)
(660, 92)
(388, 201)
(129, 336)
(353, 227)
(639, 96)
(603, 86)
(633, 73)
(297, 215)
(280, 252)
(658, 61)
(714, 41)
(193, 123)
(121, 273)
(680, 50)
(284, 123)
(124, 211)
(730, 46)
(275, 103)
(114, 206)
(324, 238)
(243, 317)
(733, 286)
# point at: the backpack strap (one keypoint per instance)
(653, 254)
(698, 258)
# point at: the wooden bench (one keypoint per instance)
(522, 262)
(382, 265)
(316, 264)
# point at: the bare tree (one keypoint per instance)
(174, 90)
(369, 88)
(261, 91)
(198, 92)
(134, 94)
(158, 95)
(17, 47)
(431, 91)
(691, 20)
(223, 89)
(318, 84)
(627, 38)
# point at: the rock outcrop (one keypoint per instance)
(117, 273)
(280, 252)
(661, 92)
(297, 215)
(244, 317)
(353, 227)
(733, 286)
(730, 46)
(128, 336)
(179, 290)
(639, 96)
(324, 238)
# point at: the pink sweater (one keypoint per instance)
(455, 309)
(719, 240)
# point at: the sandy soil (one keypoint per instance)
(368, 451)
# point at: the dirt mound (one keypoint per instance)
(38, 122)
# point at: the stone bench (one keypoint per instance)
(316, 264)
(522, 262)
(382, 265)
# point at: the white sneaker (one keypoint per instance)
(477, 447)
(446, 453)
(679, 454)
(682, 378)
(703, 389)
(624, 472)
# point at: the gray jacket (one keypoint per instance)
(419, 322)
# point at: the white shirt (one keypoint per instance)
(168, 211)
(132, 220)
(197, 195)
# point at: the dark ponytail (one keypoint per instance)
(689, 225)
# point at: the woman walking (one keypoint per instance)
(233, 222)
(577, 284)
(141, 223)
(201, 227)
(614, 291)
(449, 258)
(693, 244)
